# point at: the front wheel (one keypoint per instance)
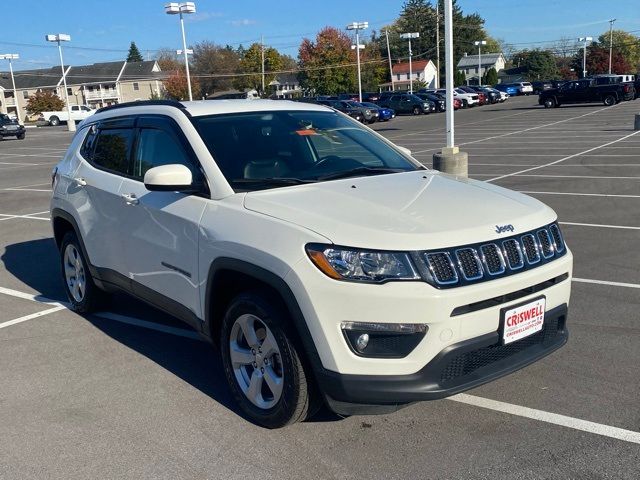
(261, 362)
(21, 136)
(54, 121)
(609, 100)
(549, 102)
(416, 111)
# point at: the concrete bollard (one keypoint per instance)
(452, 161)
(636, 125)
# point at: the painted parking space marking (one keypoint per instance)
(606, 282)
(597, 225)
(559, 176)
(548, 417)
(31, 216)
(32, 316)
(578, 194)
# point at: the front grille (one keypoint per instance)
(467, 264)
(467, 363)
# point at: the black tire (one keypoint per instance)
(54, 121)
(465, 104)
(93, 297)
(297, 399)
(609, 100)
(549, 102)
(416, 111)
(21, 136)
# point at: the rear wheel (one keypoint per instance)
(83, 295)
(549, 102)
(262, 364)
(21, 136)
(416, 110)
(609, 100)
(54, 121)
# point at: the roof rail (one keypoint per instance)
(141, 103)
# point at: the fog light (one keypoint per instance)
(362, 341)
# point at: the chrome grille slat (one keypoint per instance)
(546, 244)
(513, 254)
(492, 259)
(442, 268)
(558, 241)
(530, 248)
(469, 263)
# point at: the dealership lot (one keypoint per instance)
(133, 393)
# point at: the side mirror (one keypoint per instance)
(404, 150)
(168, 178)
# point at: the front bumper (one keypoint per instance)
(459, 367)
(12, 133)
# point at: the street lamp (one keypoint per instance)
(13, 56)
(584, 55)
(57, 38)
(479, 43)
(409, 36)
(175, 8)
(610, 42)
(357, 26)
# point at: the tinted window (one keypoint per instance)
(113, 149)
(158, 147)
(89, 142)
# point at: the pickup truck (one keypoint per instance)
(78, 112)
(587, 90)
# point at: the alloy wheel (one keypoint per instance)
(74, 273)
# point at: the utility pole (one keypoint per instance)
(438, 43)
(389, 57)
(610, 42)
(262, 54)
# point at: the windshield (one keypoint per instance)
(259, 150)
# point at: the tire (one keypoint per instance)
(83, 294)
(253, 314)
(54, 121)
(21, 136)
(609, 100)
(465, 104)
(549, 102)
(416, 111)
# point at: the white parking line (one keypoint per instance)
(28, 216)
(565, 158)
(599, 177)
(26, 190)
(624, 227)
(548, 417)
(605, 282)
(30, 296)
(578, 194)
(32, 316)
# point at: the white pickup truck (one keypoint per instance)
(78, 113)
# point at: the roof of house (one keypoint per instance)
(416, 66)
(472, 60)
(139, 70)
(96, 73)
(27, 79)
(288, 78)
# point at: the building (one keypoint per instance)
(286, 85)
(423, 71)
(469, 65)
(97, 85)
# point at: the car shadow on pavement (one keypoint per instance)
(36, 264)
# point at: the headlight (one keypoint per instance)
(343, 263)
(368, 112)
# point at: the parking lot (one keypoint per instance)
(132, 393)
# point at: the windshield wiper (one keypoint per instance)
(354, 172)
(271, 181)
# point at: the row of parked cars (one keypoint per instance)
(384, 106)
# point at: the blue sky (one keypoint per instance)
(101, 31)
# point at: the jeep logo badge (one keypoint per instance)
(505, 228)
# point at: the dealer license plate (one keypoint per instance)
(524, 320)
(12, 127)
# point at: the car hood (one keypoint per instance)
(404, 211)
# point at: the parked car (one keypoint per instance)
(406, 103)
(467, 99)
(344, 107)
(508, 88)
(384, 114)
(369, 115)
(437, 100)
(370, 96)
(78, 113)
(482, 96)
(353, 97)
(10, 127)
(524, 88)
(586, 91)
(492, 96)
(309, 251)
(539, 87)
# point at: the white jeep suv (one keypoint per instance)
(325, 263)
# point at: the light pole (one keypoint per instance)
(610, 42)
(584, 55)
(409, 36)
(13, 56)
(175, 8)
(357, 26)
(479, 44)
(57, 38)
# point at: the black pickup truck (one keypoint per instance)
(588, 90)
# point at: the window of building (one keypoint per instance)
(25, 95)
(136, 86)
(69, 91)
(398, 76)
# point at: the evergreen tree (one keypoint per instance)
(134, 54)
(491, 77)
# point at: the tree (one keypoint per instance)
(374, 68)
(627, 45)
(491, 77)
(167, 60)
(459, 78)
(537, 64)
(44, 101)
(134, 54)
(216, 66)
(327, 65)
(251, 65)
(176, 88)
(598, 61)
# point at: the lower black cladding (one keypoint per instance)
(459, 367)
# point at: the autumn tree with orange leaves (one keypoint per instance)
(175, 86)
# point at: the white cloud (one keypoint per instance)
(203, 16)
(242, 23)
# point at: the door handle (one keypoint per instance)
(130, 199)
(80, 182)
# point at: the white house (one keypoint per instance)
(286, 85)
(422, 70)
(469, 65)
